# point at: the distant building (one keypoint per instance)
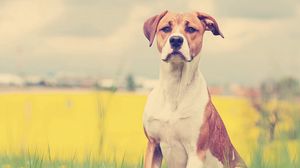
(146, 84)
(244, 91)
(11, 80)
(106, 83)
(33, 80)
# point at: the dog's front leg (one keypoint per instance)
(153, 156)
(194, 161)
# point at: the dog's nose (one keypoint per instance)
(176, 42)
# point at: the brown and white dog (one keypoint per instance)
(180, 121)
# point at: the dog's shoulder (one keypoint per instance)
(219, 142)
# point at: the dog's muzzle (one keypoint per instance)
(177, 50)
(176, 42)
(176, 54)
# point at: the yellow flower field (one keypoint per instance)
(108, 126)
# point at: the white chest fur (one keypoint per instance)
(175, 118)
(174, 114)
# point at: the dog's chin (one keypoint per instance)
(176, 57)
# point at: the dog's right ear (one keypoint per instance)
(150, 26)
(210, 23)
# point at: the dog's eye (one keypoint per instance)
(190, 29)
(166, 29)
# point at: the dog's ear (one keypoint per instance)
(210, 23)
(150, 26)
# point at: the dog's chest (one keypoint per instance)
(167, 125)
(174, 127)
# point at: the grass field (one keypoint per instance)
(102, 129)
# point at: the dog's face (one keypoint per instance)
(179, 36)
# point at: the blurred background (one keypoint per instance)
(75, 74)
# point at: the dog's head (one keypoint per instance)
(179, 36)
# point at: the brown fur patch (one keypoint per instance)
(214, 137)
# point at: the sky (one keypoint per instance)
(105, 38)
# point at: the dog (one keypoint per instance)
(180, 121)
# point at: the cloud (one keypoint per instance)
(113, 43)
(90, 18)
(207, 6)
(20, 19)
(97, 36)
(257, 48)
(264, 9)
(240, 32)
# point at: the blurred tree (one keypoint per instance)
(288, 88)
(268, 104)
(130, 83)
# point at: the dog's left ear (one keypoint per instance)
(150, 26)
(210, 23)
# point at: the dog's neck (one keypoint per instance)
(176, 79)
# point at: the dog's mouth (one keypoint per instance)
(177, 56)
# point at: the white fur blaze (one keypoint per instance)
(185, 50)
